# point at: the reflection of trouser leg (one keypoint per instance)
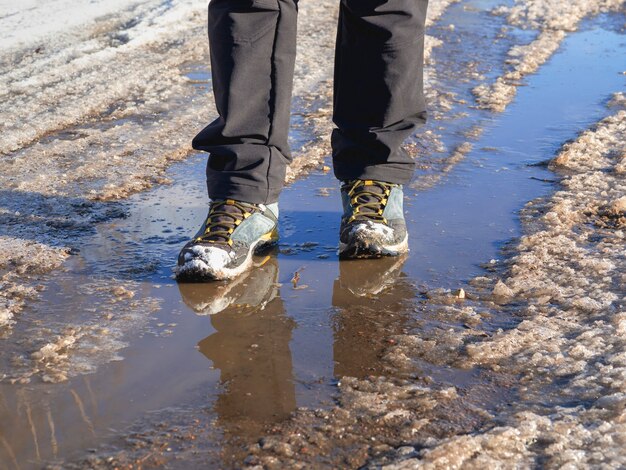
(252, 61)
(378, 87)
(370, 299)
(251, 350)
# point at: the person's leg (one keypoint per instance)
(378, 99)
(253, 47)
(378, 103)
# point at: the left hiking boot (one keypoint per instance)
(224, 246)
(372, 225)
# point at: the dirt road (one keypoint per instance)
(499, 341)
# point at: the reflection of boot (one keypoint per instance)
(370, 299)
(250, 347)
(367, 277)
(251, 291)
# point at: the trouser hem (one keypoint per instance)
(251, 194)
(389, 174)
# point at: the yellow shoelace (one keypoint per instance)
(225, 227)
(361, 198)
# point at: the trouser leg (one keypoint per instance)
(378, 100)
(253, 47)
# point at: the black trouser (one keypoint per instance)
(378, 99)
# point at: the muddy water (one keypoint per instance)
(245, 354)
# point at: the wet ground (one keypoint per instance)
(114, 356)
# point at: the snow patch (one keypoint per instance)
(554, 19)
(372, 232)
(205, 261)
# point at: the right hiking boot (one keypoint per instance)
(227, 240)
(372, 225)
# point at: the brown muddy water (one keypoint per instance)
(238, 357)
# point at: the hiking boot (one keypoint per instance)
(223, 247)
(373, 223)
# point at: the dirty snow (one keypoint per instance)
(569, 275)
(566, 285)
(64, 347)
(553, 19)
(21, 260)
(92, 137)
(58, 171)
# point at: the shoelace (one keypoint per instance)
(224, 217)
(368, 199)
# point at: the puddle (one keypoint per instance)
(247, 354)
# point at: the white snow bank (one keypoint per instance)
(28, 22)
